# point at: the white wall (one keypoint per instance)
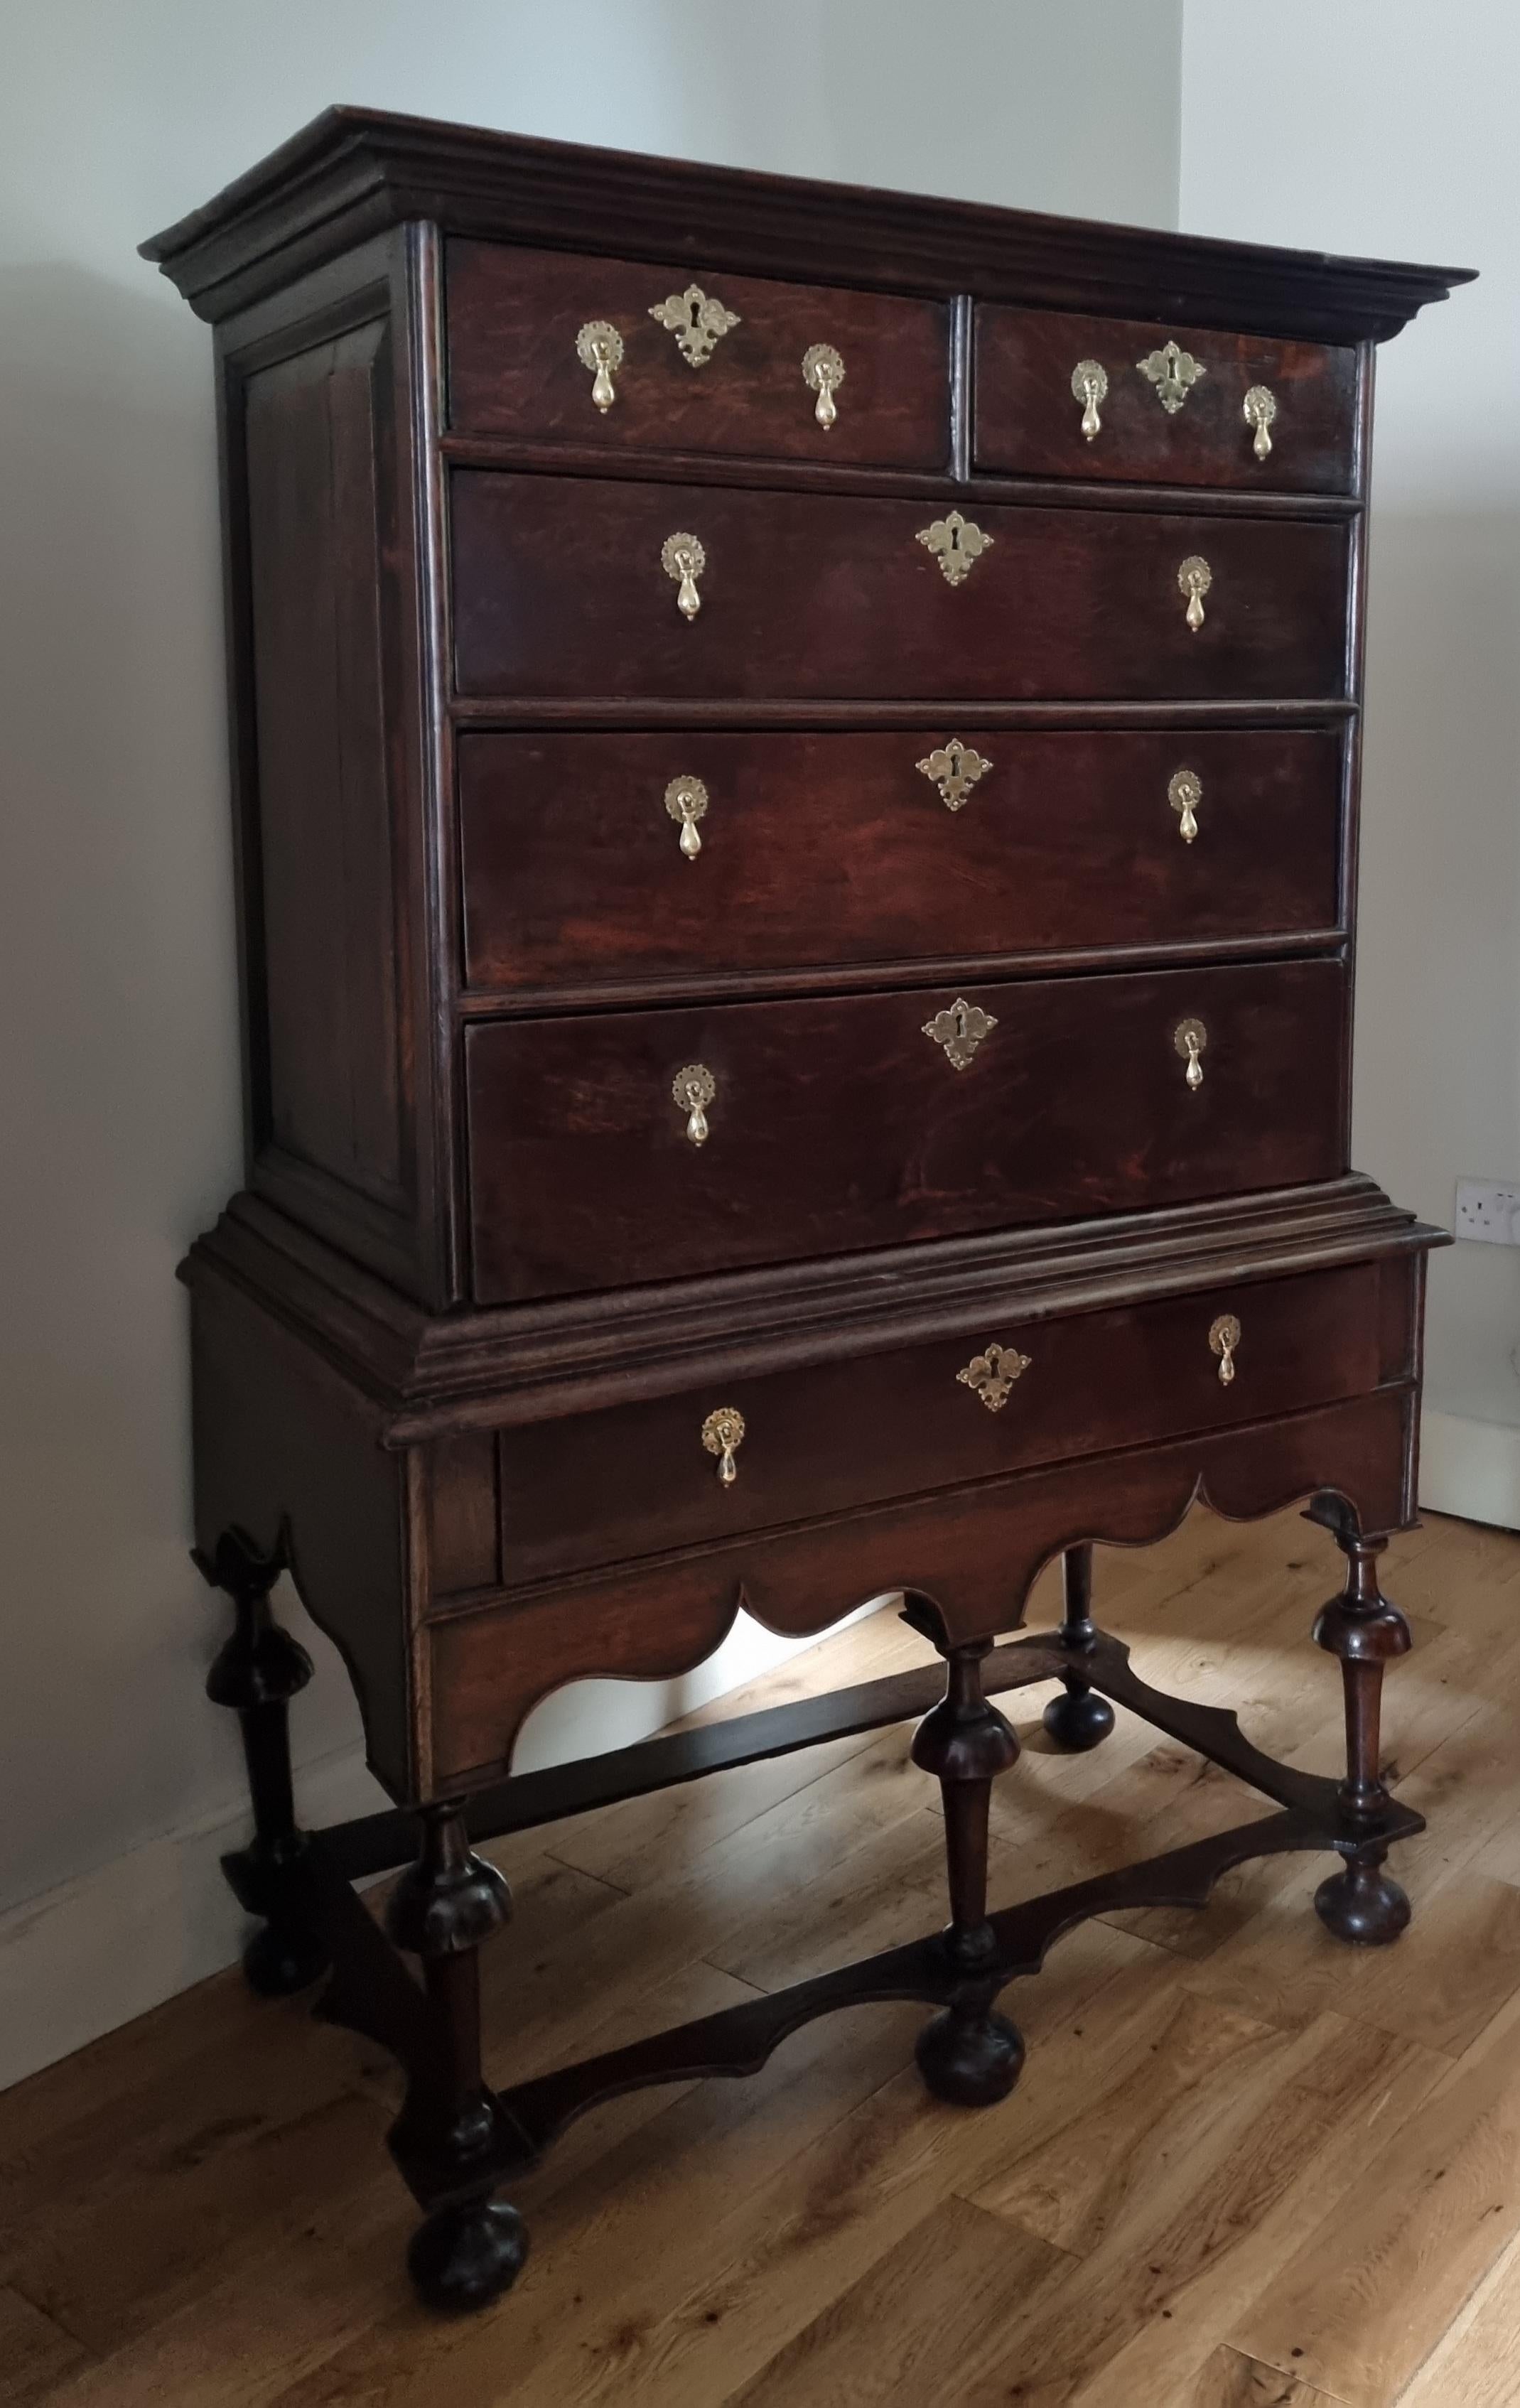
(120, 1115)
(1389, 126)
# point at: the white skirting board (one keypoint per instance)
(79, 1959)
(1471, 1469)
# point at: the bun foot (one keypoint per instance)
(970, 2059)
(465, 2256)
(1077, 1719)
(1363, 1906)
(279, 1962)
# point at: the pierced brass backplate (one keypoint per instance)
(1184, 793)
(692, 1090)
(599, 347)
(1174, 372)
(955, 769)
(683, 558)
(686, 800)
(1193, 579)
(960, 1029)
(956, 544)
(991, 1376)
(698, 321)
(1090, 385)
(1258, 410)
(1190, 1037)
(1223, 1338)
(722, 1432)
(822, 373)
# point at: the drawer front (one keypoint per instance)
(828, 1124)
(545, 347)
(848, 1434)
(1041, 411)
(589, 858)
(568, 588)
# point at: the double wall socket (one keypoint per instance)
(1489, 1210)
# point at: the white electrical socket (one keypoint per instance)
(1489, 1210)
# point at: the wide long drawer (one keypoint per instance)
(594, 858)
(841, 1435)
(656, 1144)
(587, 587)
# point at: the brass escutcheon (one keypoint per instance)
(822, 373)
(1259, 410)
(960, 1029)
(698, 321)
(1090, 385)
(1193, 579)
(722, 1432)
(1190, 1037)
(683, 558)
(1184, 793)
(955, 769)
(1223, 1338)
(599, 347)
(692, 1090)
(686, 800)
(956, 544)
(1174, 372)
(991, 1376)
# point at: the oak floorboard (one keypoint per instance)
(198, 2209)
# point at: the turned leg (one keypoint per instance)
(967, 2054)
(1363, 1904)
(1078, 1717)
(469, 2248)
(258, 1672)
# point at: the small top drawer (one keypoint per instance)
(550, 348)
(1058, 396)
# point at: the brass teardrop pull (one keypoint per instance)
(599, 347)
(1190, 1037)
(1259, 410)
(1194, 578)
(683, 558)
(693, 1089)
(1090, 385)
(822, 373)
(1184, 793)
(722, 1432)
(686, 800)
(1223, 1338)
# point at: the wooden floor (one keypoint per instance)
(1244, 2165)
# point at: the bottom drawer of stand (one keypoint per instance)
(971, 1550)
(639, 1479)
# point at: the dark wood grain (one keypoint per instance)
(836, 849)
(1094, 1382)
(839, 1123)
(513, 317)
(1028, 420)
(559, 590)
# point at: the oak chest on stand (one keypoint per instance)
(796, 780)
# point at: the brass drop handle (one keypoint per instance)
(1184, 793)
(1223, 1338)
(722, 1432)
(1090, 385)
(822, 373)
(686, 800)
(683, 558)
(1193, 579)
(1259, 410)
(599, 347)
(991, 1376)
(692, 1090)
(1190, 1037)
